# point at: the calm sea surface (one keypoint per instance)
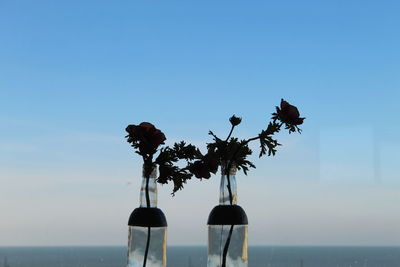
(197, 256)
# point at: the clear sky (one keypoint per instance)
(73, 74)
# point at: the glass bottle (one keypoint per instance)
(227, 226)
(147, 240)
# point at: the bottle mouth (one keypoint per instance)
(232, 170)
(153, 173)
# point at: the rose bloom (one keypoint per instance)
(147, 136)
(289, 114)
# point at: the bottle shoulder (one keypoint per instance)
(147, 217)
(227, 215)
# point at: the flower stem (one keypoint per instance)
(258, 137)
(147, 246)
(146, 252)
(228, 239)
(147, 193)
(230, 133)
(226, 247)
(148, 170)
(229, 188)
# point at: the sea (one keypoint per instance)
(192, 256)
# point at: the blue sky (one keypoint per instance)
(73, 74)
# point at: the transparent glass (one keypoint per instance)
(228, 244)
(157, 251)
(238, 246)
(152, 193)
(225, 186)
(147, 246)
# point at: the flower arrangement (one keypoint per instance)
(231, 151)
(226, 153)
(147, 224)
(147, 139)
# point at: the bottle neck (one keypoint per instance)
(148, 191)
(228, 188)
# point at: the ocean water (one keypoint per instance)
(262, 256)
